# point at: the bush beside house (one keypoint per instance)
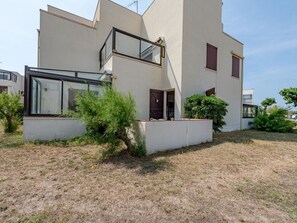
(207, 107)
(273, 118)
(109, 117)
(11, 111)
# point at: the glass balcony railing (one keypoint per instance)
(132, 46)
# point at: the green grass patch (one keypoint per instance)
(72, 142)
(44, 216)
(12, 140)
(293, 212)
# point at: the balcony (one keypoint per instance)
(125, 44)
(9, 76)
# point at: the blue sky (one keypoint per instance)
(267, 28)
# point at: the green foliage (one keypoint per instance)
(10, 109)
(109, 116)
(208, 107)
(290, 95)
(273, 120)
(268, 102)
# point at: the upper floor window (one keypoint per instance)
(8, 76)
(235, 66)
(211, 57)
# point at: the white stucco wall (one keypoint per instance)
(45, 129)
(169, 135)
(246, 123)
(137, 78)
(196, 78)
(164, 18)
(66, 41)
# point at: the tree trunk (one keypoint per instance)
(9, 124)
(123, 136)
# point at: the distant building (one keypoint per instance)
(248, 97)
(12, 82)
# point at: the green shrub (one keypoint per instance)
(109, 117)
(290, 96)
(208, 107)
(273, 120)
(268, 102)
(10, 111)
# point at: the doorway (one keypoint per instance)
(156, 104)
(170, 105)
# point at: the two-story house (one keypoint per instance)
(174, 50)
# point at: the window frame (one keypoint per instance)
(212, 65)
(234, 71)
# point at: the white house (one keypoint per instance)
(174, 50)
(11, 82)
(248, 97)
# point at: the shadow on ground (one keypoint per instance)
(144, 166)
(159, 162)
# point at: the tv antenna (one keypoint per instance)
(135, 2)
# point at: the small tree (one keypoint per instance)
(272, 119)
(290, 96)
(109, 116)
(10, 108)
(268, 102)
(209, 107)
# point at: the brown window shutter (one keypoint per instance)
(212, 57)
(210, 92)
(235, 66)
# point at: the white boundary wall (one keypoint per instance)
(169, 135)
(245, 123)
(45, 129)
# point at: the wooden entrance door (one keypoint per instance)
(156, 104)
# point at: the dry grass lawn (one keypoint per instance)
(240, 177)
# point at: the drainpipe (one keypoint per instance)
(241, 107)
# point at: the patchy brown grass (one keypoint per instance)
(240, 177)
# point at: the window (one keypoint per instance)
(235, 66)
(210, 92)
(212, 57)
(70, 91)
(2, 89)
(247, 96)
(249, 111)
(46, 96)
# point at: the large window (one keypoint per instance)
(235, 67)
(54, 92)
(211, 57)
(46, 96)
(249, 111)
(70, 91)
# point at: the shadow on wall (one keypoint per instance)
(159, 162)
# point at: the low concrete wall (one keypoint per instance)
(168, 135)
(246, 123)
(45, 129)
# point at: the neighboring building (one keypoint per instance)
(12, 82)
(172, 51)
(248, 97)
(249, 109)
